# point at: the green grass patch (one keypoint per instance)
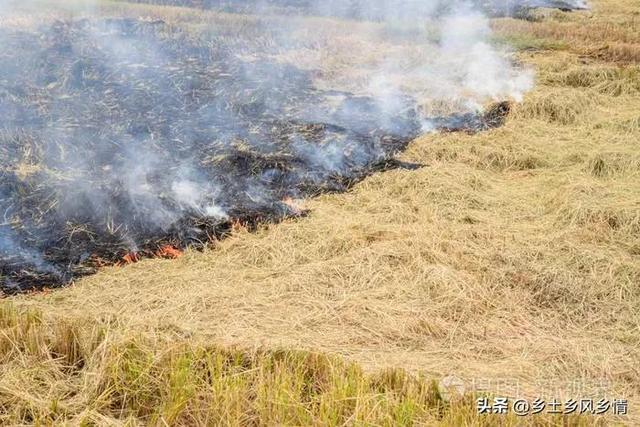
(523, 42)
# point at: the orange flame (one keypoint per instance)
(130, 258)
(169, 252)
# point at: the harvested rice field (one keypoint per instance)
(213, 216)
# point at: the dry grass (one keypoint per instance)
(66, 373)
(513, 255)
(614, 81)
(607, 33)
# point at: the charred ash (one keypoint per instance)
(519, 8)
(106, 156)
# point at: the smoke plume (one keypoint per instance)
(123, 135)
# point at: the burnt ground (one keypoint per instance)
(124, 136)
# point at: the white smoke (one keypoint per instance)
(373, 66)
(439, 51)
(482, 71)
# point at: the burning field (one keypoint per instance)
(106, 154)
(295, 212)
(122, 138)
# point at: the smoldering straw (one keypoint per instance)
(129, 152)
(122, 135)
